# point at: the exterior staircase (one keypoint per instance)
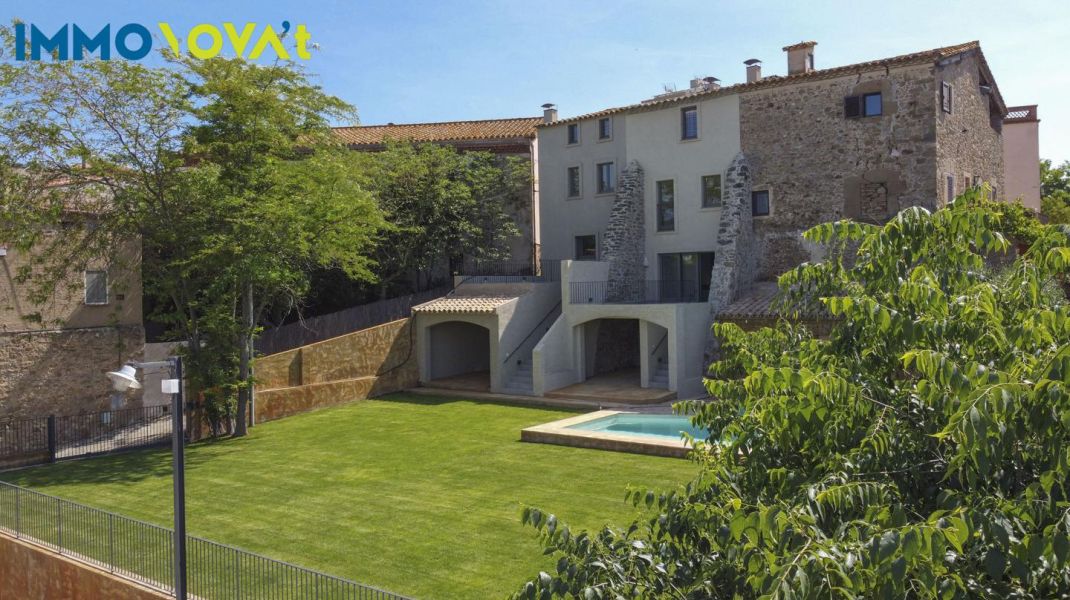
(521, 383)
(660, 377)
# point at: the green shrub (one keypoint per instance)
(921, 450)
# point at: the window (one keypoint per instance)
(809, 61)
(946, 97)
(586, 247)
(950, 188)
(574, 133)
(976, 181)
(666, 201)
(872, 105)
(685, 276)
(96, 287)
(866, 105)
(607, 180)
(605, 128)
(759, 203)
(689, 123)
(575, 183)
(711, 191)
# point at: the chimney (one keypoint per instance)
(800, 57)
(549, 113)
(703, 84)
(754, 70)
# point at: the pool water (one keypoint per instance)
(656, 426)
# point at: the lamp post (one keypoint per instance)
(126, 378)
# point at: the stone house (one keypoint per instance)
(54, 356)
(504, 137)
(675, 211)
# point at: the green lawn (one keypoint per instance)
(416, 495)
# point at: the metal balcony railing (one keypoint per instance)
(492, 271)
(634, 292)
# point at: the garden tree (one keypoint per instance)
(225, 170)
(922, 450)
(442, 203)
(1055, 191)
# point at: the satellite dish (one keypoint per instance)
(124, 379)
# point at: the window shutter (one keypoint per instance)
(852, 106)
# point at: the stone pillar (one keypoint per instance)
(735, 261)
(623, 244)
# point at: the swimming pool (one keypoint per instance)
(642, 433)
(658, 426)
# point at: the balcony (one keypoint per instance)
(636, 292)
(510, 271)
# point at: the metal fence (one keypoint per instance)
(507, 271)
(634, 292)
(324, 327)
(143, 552)
(39, 440)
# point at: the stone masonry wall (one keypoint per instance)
(733, 269)
(62, 372)
(814, 162)
(356, 366)
(967, 144)
(624, 239)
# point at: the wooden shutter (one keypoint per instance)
(852, 106)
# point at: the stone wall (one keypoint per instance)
(27, 571)
(62, 372)
(814, 162)
(360, 365)
(735, 258)
(624, 239)
(969, 140)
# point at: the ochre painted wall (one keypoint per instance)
(356, 366)
(31, 573)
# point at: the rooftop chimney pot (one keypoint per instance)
(800, 57)
(549, 113)
(754, 70)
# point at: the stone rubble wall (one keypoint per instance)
(356, 366)
(62, 372)
(624, 241)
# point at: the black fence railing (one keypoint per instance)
(25, 442)
(143, 552)
(508, 271)
(634, 292)
(324, 327)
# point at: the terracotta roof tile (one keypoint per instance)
(799, 46)
(463, 304)
(777, 80)
(495, 129)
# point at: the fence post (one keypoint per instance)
(52, 438)
(18, 513)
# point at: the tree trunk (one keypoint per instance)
(241, 425)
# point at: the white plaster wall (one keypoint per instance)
(654, 141)
(562, 218)
(424, 322)
(518, 319)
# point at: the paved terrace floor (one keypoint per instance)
(621, 387)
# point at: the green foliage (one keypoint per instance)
(1055, 191)
(922, 450)
(442, 203)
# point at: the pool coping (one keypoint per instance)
(558, 432)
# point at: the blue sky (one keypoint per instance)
(425, 60)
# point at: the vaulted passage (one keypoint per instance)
(460, 355)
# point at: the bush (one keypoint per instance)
(920, 451)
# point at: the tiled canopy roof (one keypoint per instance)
(463, 304)
(777, 80)
(1021, 114)
(453, 131)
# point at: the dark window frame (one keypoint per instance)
(660, 205)
(606, 132)
(611, 182)
(578, 181)
(865, 104)
(684, 112)
(94, 288)
(754, 195)
(708, 202)
(570, 129)
(579, 246)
